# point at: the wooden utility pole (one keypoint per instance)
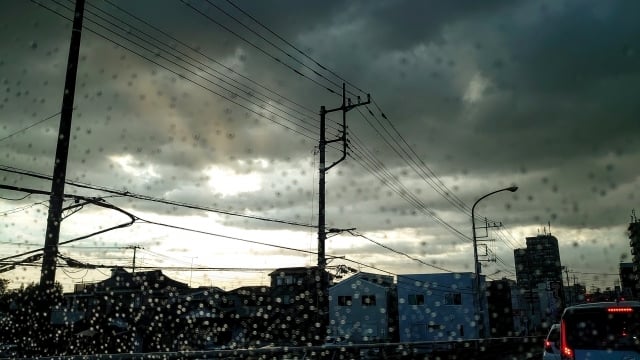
(52, 235)
(323, 284)
(134, 248)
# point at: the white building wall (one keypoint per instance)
(437, 307)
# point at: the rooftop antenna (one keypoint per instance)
(549, 223)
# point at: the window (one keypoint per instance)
(368, 300)
(453, 299)
(416, 299)
(344, 300)
(284, 280)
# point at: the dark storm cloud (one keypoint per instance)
(554, 109)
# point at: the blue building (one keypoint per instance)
(359, 309)
(439, 307)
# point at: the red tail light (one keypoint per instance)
(620, 310)
(565, 351)
(548, 346)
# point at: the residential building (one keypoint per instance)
(123, 313)
(254, 313)
(634, 243)
(439, 307)
(299, 303)
(500, 306)
(209, 317)
(628, 281)
(538, 270)
(362, 309)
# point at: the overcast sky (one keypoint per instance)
(179, 101)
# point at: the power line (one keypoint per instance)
(395, 185)
(207, 57)
(411, 158)
(182, 76)
(152, 199)
(200, 65)
(260, 49)
(294, 47)
(398, 252)
(30, 126)
(274, 45)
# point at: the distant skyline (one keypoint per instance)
(179, 101)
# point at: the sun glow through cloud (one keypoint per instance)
(131, 166)
(227, 182)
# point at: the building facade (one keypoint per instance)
(355, 305)
(500, 306)
(634, 243)
(299, 303)
(539, 275)
(439, 307)
(539, 262)
(628, 281)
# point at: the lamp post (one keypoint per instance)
(476, 263)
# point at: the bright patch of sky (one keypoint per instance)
(131, 166)
(227, 182)
(476, 89)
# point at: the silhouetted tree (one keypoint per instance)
(28, 322)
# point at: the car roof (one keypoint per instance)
(605, 304)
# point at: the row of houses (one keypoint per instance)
(148, 311)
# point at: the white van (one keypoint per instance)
(604, 330)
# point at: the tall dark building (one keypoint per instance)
(539, 262)
(628, 281)
(539, 274)
(500, 307)
(634, 242)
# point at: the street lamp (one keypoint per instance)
(476, 264)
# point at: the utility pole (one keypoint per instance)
(323, 284)
(134, 247)
(52, 235)
(485, 238)
(566, 271)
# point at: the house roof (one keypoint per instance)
(378, 280)
(294, 270)
(123, 280)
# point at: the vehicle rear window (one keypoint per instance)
(598, 329)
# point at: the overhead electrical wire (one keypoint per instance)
(152, 199)
(251, 90)
(439, 184)
(285, 126)
(431, 176)
(30, 126)
(208, 57)
(400, 189)
(294, 47)
(406, 152)
(398, 252)
(93, 201)
(200, 65)
(22, 208)
(182, 76)
(262, 50)
(272, 44)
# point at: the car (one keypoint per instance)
(9, 351)
(603, 330)
(552, 344)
